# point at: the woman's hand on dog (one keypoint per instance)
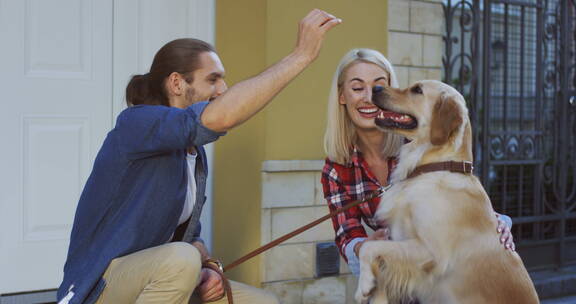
(382, 234)
(506, 237)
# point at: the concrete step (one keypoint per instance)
(556, 284)
(564, 300)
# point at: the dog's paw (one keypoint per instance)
(366, 285)
(361, 296)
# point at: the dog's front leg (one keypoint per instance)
(394, 268)
(366, 281)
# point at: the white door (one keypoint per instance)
(55, 68)
(63, 70)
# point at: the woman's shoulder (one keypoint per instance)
(336, 171)
(330, 164)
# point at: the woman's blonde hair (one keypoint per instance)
(340, 136)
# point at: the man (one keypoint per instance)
(136, 231)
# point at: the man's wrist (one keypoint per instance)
(299, 58)
(204, 255)
(210, 263)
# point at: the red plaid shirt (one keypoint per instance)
(344, 184)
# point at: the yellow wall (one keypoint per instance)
(251, 35)
(241, 44)
(295, 121)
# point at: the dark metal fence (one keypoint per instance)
(514, 61)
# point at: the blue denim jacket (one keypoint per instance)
(135, 193)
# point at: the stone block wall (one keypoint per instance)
(292, 197)
(415, 45)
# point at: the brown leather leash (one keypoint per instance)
(214, 266)
(302, 229)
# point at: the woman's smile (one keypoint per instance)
(368, 111)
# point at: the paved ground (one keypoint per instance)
(565, 300)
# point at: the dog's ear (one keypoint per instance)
(446, 118)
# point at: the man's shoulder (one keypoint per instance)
(138, 111)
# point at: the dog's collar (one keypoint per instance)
(464, 167)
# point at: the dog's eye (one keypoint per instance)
(416, 90)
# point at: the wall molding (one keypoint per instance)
(292, 165)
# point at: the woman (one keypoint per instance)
(361, 157)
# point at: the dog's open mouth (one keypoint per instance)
(389, 119)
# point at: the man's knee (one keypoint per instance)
(181, 261)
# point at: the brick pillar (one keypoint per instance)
(415, 44)
(292, 197)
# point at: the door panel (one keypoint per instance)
(56, 109)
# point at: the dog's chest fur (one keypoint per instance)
(395, 210)
(420, 204)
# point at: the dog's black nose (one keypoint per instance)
(377, 89)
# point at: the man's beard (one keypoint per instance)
(192, 97)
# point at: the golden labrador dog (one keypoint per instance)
(444, 246)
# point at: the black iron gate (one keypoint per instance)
(514, 61)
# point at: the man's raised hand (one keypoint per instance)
(311, 33)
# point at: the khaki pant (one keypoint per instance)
(166, 274)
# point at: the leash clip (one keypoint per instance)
(384, 189)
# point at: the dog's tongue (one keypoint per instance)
(395, 116)
(388, 114)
